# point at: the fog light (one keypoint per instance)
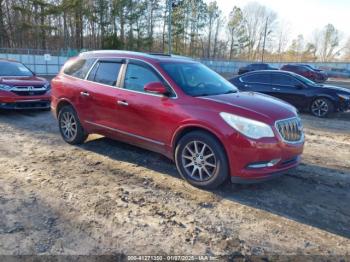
(264, 164)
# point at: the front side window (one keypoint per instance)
(195, 79)
(78, 68)
(14, 69)
(283, 80)
(105, 72)
(138, 76)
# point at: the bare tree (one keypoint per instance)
(329, 42)
(256, 18)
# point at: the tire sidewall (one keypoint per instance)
(81, 135)
(221, 173)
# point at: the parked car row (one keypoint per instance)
(319, 99)
(307, 71)
(179, 108)
(337, 72)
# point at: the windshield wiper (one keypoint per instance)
(203, 95)
(230, 92)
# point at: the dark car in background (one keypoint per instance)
(307, 71)
(20, 88)
(255, 67)
(338, 73)
(306, 95)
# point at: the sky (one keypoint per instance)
(303, 16)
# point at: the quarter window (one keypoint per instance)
(79, 68)
(105, 72)
(138, 76)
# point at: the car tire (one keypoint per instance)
(196, 164)
(70, 127)
(321, 107)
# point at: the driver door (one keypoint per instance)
(288, 89)
(149, 118)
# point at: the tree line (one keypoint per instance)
(199, 29)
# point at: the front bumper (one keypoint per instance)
(28, 104)
(344, 105)
(252, 153)
(9, 100)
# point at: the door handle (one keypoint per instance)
(84, 94)
(276, 89)
(122, 103)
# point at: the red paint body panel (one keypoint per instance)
(154, 122)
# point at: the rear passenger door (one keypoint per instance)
(100, 92)
(257, 82)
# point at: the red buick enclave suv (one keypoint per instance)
(179, 108)
(20, 88)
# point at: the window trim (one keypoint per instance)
(153, 70)
(122, 75)
(98, 61)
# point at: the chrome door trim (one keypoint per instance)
(90, 69)
(126, 133)
(122, 74)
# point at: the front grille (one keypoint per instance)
(29, 90)
(291, 130)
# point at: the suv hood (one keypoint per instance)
(251, 104)
(22, 80)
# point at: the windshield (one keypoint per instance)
(14, 69)
(196, 79)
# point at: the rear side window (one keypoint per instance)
(283, 80)
(138, 76)
(78, 68)
(257, 78)
(105, 72)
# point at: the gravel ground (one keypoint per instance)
(105, 197)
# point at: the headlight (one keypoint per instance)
(5, 87)
(248, 127)
(345, 97)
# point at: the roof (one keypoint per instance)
(269, 71)
(160, 57)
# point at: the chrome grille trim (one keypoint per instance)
(290, 130)
(28, 88)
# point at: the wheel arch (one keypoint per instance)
(61, 104)
(190, 128)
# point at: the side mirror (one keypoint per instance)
(156, 88)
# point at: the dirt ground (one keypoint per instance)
(105, 197)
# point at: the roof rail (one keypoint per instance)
(160, 54)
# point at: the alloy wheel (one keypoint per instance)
(69, 126)
(199, 161)
(319, 107)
